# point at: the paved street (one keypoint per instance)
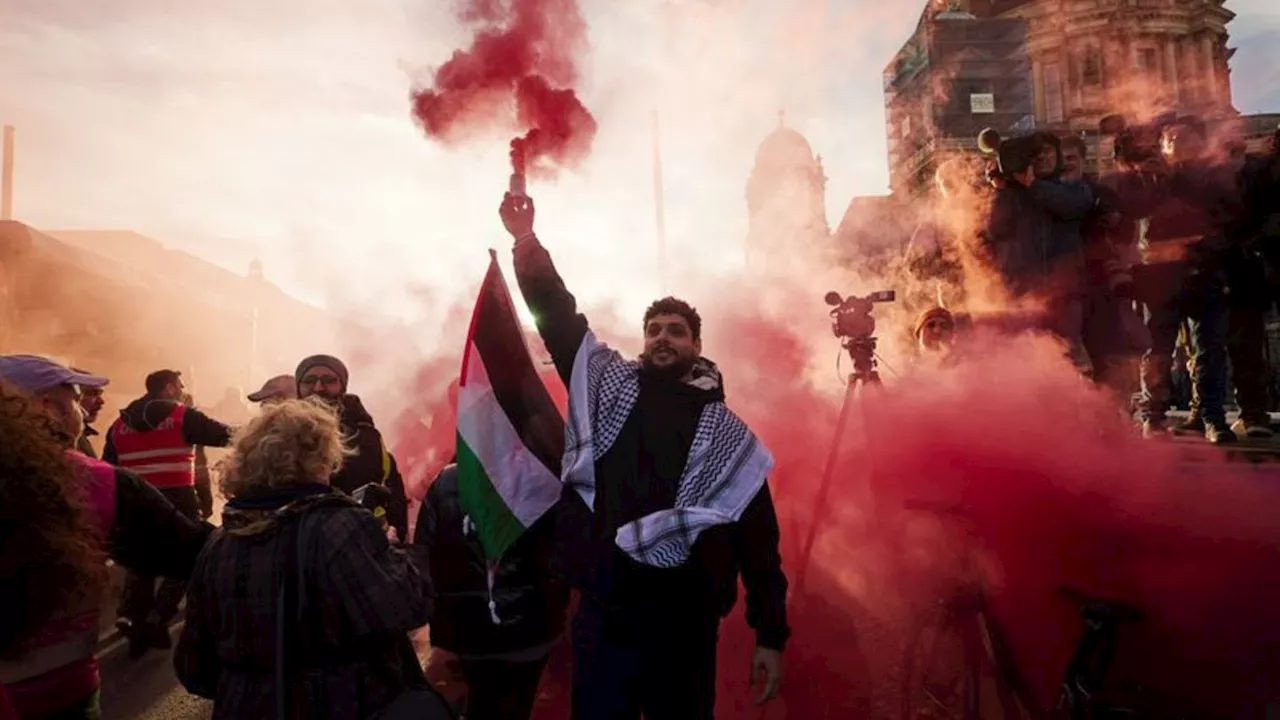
(145, 689)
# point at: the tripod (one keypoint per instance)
(862, 350)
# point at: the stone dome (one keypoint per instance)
(784, 148)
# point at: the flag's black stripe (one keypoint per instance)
(500, 341)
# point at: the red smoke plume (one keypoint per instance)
(518, 76)
(1054, 490)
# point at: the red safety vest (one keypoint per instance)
(159, 455)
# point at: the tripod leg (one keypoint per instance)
(820, 503)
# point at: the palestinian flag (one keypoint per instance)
(510, 435)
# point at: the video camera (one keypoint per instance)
(1136, 144)
(1013, 155)
(374, 497)
(851, 317)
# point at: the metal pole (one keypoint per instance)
(659, 211)
(6, 176)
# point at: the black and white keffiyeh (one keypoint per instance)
(726, 468)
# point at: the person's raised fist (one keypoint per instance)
(517, 215)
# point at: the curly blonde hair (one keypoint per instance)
(50, 555)
(295, 441)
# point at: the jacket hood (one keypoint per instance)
(353, 413)
(146, 412)
(262, 511)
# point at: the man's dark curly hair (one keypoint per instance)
(675, 306)
(49, 555)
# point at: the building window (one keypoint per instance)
(1146, 59)
(1091, 67)
(1053, 112)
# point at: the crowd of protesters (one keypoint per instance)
(1164, 267)
(146, 505)
(302, 602)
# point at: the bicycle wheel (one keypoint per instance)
(949, 672)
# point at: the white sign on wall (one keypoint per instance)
(982, 103)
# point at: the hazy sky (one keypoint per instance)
(280, 128)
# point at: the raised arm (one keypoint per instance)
(554, 308)
(200, 429)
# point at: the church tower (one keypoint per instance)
(786, 200)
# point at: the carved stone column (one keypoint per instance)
(1210, 76)
(1037, 79)
(1171, 70)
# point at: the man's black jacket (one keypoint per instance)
(638, 476)
(529, 602)
(371, 463)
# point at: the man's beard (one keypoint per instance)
(327, 399)
(676, 370)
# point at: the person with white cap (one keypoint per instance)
(277, 389)
(56, 673)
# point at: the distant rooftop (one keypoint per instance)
(152, 258)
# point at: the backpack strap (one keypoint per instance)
(290, 611)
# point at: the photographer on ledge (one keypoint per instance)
(1032, 239)
(1182, 278)
(1250, 268)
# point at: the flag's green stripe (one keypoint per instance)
(500, 345)
(497, 527)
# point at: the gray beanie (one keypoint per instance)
(326, 361)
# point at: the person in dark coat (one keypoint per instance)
(1032, 238)
(300, 587)
(204, 479)
(325, 377)
(500, 622)
(655, 550)
(1250, 267)
(1187, 239)
(1114, 334)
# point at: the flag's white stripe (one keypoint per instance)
(526, 485)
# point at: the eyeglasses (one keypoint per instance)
(322, 380)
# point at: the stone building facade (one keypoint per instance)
(1092, 58)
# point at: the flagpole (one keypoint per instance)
(659, 212)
